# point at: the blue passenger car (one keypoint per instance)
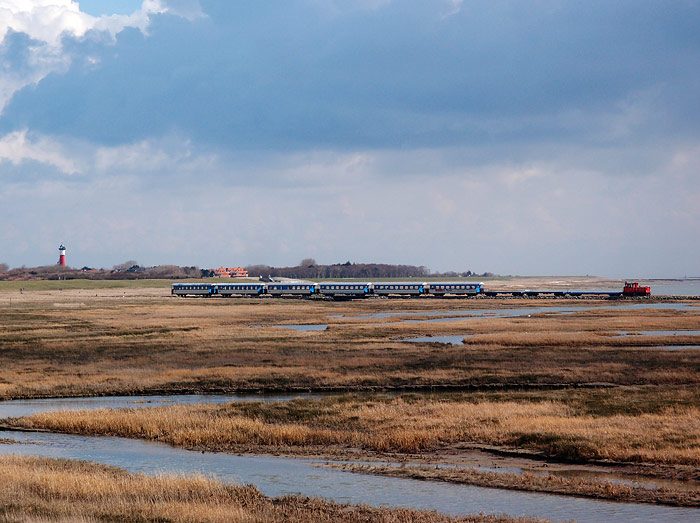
(346, 289)
(291, 289)
(400, 288)
(193, 289)
(455, 288)
(240, 289)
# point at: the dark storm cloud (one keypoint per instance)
(301, 74)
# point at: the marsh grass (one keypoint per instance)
(42, 489)
(136, 340)
(403, 426)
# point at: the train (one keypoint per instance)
(336, 290)
(346, 290)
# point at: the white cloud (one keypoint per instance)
(17, 148)
(147, 158)
(549, 213)
(47, 22)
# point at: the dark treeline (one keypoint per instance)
(119, 272)
(308, 269)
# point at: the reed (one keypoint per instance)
(403, 425)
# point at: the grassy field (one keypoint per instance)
(40, 489)
(56, 285)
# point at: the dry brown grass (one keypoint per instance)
(137, 341)
(40, 489)
(401, 425)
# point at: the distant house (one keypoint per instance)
(230, 272)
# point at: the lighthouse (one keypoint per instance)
(62, 256)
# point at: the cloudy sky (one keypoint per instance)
(518, 137)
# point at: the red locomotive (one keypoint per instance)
(634, 289)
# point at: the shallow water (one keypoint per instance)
(311, 327)
(672, 347)
(452, 315)
(676, 288)
(659, 333)
(576, 473)
(450, 340)
(280, 476)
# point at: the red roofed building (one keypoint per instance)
(230, 272)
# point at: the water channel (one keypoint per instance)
(280, 476)
(452, 315)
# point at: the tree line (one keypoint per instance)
(124, 271)
(309, 269)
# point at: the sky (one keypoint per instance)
(529, 137)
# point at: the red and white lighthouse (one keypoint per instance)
(62, 256)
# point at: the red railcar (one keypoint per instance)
(634, 289)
